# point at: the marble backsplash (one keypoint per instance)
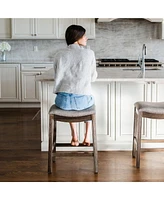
(121, 38)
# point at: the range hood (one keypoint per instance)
(112, 19)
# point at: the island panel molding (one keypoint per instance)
(115, 94)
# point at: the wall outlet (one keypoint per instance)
(35, 48)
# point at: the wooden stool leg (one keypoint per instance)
(54, 140)
(50, 151)
(134, 134)
(95, 154)
(139, 129)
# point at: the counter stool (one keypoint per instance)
(57, 114)
(152, 110)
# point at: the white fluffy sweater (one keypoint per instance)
(74, 70)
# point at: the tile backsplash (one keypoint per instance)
(121, 38)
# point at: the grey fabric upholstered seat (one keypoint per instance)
(71, 113)
(150, 107)
(151, 110)
(57, 114)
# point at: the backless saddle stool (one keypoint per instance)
(57, 114)
(152, 110)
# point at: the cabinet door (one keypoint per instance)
(89, 25)
(45, 28)
(127, 93)
(63, 24)
(30, 88)
(34, 28)
(104, 94)
(22, 28)
(10, 83)
(157, 130)
(5, 28)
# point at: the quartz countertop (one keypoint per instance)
(116, 74)
(27, 62)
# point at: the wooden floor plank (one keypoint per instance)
(22, 161)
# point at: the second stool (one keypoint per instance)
(152, 110)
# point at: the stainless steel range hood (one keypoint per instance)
(112, 19)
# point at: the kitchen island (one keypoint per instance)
(115, 90)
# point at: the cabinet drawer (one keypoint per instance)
(36, 67)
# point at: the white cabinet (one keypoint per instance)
(114, 113)
(87, 23)
(10, 83)
(5, 28)
(157, 95)
(63, 23)
(30, 87)
(18, 84)
(127, 93)
(162, 37)
(105, 111)
(48, 28)
(34, 28)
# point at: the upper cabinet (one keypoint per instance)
(34, 28)
(49, 28)
(89, 25)
(5, 28)
(162, 37)
(52, 28)
(63, 23)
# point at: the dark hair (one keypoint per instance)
(74, 33)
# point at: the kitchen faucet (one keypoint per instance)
(141, 62)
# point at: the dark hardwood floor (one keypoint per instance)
(22, 161)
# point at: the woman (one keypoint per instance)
(74, 70)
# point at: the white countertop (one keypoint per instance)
(115, 74)
(27, 62)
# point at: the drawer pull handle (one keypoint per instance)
(39, 67)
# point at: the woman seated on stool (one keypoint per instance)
(74, 70)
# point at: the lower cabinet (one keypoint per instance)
(30, 89)
(10, 83)
(114, 114)
(114, 107)
(157, 95)
(18, 84)
(127, 93)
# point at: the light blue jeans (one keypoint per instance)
(67, 101)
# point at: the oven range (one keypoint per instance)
(123, 62)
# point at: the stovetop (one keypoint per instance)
(123, 62)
